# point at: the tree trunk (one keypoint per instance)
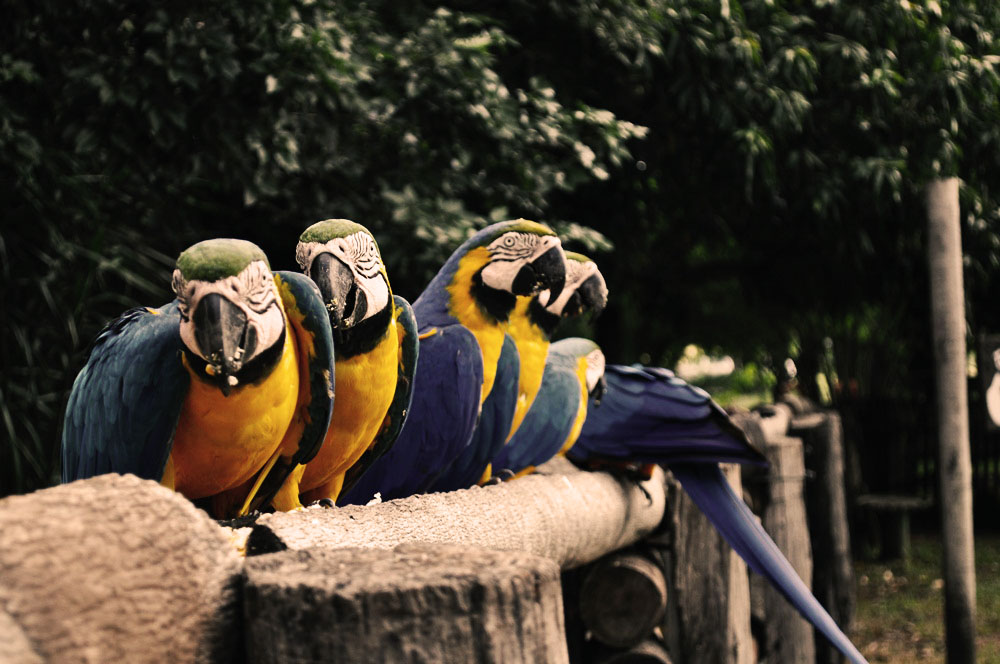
(954, 465)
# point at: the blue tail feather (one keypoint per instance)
(708, 488)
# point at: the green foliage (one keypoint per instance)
(757, 166)
(130, 131)
(778, 197)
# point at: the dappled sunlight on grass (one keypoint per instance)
(900, 608)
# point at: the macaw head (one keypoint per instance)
(343, 259)
(231, 314)
(585, 290)
(511, 258)
(590, 354)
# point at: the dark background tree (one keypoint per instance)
(756, 167)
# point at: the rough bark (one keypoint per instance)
(115, 569)
(826, 507)
(15, 648)
(566, 515)
(954, 464)
(708, 612)
(775, 420)
(416, 603)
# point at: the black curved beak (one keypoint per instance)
(336, 283)
(599, 391)
(546, 271)
(592, 296)
(223, 335)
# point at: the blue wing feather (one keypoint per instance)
(708, 488)
(123, 409)
(651, 416)
(443, 412)
(550, 418)
(493, 427)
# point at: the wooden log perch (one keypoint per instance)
(115, 569)
(562, 513)
(622, 599)
(415, 603)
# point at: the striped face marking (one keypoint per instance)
(577, 272)
(359, 254)
(244, 309)
(509, 253)
(595, 368)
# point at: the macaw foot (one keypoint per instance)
(322, 502)
(245, 521)
(504, 475)
(628, 471)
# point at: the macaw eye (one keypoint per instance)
(508, 241)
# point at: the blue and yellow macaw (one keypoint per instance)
(522, 363)
(461, 316)
(574, 374)
(649, 416)
(375, 340)
(219, 394)
(534, 321)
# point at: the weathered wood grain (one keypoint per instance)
(117, 569)
(564, 514)
(416, 603)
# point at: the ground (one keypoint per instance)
(900, 609)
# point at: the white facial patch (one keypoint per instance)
(577, 272)
(595, 368)
(252, 290)
(358, 252)
(509, 253)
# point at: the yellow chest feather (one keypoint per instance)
(533, 349)
(366, 384)
(581, 411)
(222, 441)
(488, 333)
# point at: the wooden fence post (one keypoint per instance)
(944, 250)
(708, 606)
(826, 507)
(778, 499)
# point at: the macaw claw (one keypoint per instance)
(504, 475)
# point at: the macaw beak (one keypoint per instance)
(223, 335)
(592, 296)
(548, 270)
(341, 295)
(600, 389)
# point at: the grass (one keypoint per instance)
(899, 616)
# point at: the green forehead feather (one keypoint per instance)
(579, 258)
(526, 226)
(492, 232)
(212, 260)
(324, 231)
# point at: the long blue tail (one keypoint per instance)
(708, 488)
